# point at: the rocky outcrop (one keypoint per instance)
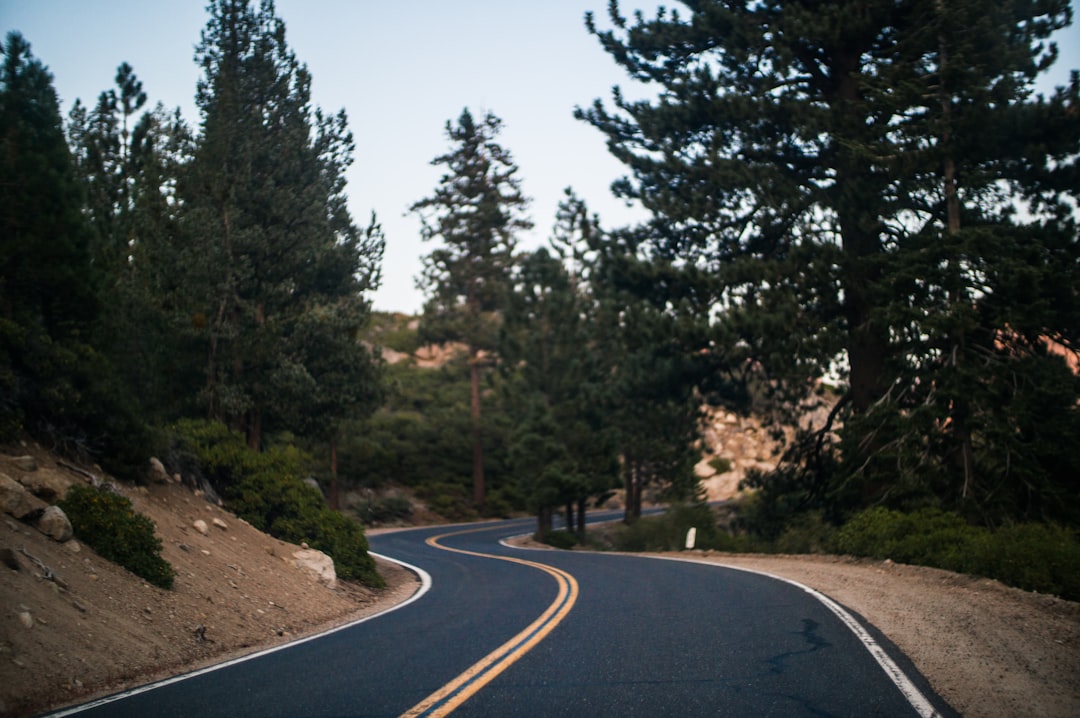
(16, 499)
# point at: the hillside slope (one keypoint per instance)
(97, 627)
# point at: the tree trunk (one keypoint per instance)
(477, 434)
(959, 409)
(543, 522)
(335, 502)
(569, 516)
(632, 512)
(254, 429)
(581, 520)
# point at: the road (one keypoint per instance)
(503, 631)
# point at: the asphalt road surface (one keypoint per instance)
(501, 631)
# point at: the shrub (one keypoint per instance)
(265, 489)
(667, 532)
(720, 464)
(107, 523)
(560, 539)
(384, 509)
(1034, 557)
(806, 533)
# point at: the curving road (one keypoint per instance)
(502, 631)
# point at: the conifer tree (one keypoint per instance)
(833, 184)
(270, 248)
(477, 211)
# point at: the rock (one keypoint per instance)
(200, 526)
(313, 483)
(25, 463)
(46, 485)
(157, 474)
(9, 559)
(220, 524)
(318, 564)
(26, 619)
(16, 500)
(73, 546)
(54, 523)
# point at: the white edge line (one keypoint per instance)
(907, 687)
(425, 586)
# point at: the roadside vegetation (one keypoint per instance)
(875, 201)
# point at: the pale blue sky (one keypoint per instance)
(400, 70)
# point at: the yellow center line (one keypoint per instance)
(448, 698)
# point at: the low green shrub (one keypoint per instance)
(720, 464)
(1034, 557)
(449, 500)
(806, 533)
(560, 539)
(108, 524)
(266, 490)
(382, 510)
(667, 531)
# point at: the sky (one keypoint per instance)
(400, 70)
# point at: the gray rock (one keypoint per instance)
(158, 474)
(54, 523)
(46, 485)
(25, 463)
(16, 500)
(317, 564)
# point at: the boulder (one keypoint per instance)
(200, 526)
(54, 523)
(46, 485)
(16, 500)
(25, 463)
(318, 564)
(220, 524)
(157, 473)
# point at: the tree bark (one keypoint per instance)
(477, 434)
(333, 497)
(543, 522)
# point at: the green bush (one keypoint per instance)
(449, 500)
(265, 489)
(382, 510)
(1034, 557)
(107, 523)
(720, 464)
(667, 532)
(806, 533)
(560, 539)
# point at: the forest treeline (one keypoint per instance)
(859, 203)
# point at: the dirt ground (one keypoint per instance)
(987, 649)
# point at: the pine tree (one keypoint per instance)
(270, 246)
(476, 211)
(561, 447)
(827, 181)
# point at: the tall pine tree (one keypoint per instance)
(477, 211)
(270, 248)
(833, 184)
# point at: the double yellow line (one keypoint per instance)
(447, 699)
